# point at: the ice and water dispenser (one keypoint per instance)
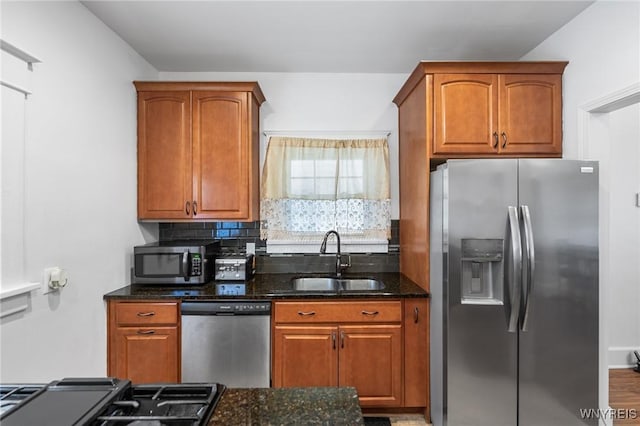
(482, 272)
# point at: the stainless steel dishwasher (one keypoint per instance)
(227, 342)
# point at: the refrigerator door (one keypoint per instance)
(559, 346)
(480, 354)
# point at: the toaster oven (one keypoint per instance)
(234, 267)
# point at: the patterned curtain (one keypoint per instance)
(310, 186)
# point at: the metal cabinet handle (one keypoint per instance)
(146, 332)
(415, 315)
(187, 208)
(146, 314)
(195, 207)
(504, 138)
(333, 339)
(370, 312)
(306, 314)
(495, 140)
(342, 339)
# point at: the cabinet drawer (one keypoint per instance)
(146, 313)
(327, 312)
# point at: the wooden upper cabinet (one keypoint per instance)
(198, 149)
(489, 108)
(164, 154)
(220, 156)
(530, 114)
(466, 113)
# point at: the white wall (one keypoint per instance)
(602, 45)
(80, 190)
(324, 102)
(624, 233)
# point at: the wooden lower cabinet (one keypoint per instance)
(416, 353)
(370, 359)
(145, 355)
(307, 356)
(366, 352)
(143, 341)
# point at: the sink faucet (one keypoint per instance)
(323, 250)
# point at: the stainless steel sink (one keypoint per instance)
(316, 284)
(361, 284)
(326, 284)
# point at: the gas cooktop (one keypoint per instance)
(108, 401)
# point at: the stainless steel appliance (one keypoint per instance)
(514, 282)
(227, 342)
(174, 262)
(110, 401)
(234, 267)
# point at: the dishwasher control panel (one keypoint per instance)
(248, 307)
(236, 307)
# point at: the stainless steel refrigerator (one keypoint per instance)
(514, 282)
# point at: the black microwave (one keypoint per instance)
(174, 262)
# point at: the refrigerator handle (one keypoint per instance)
(530, 262)
(513, 270)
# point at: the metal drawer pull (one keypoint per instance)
(333, 339)
(370, 312)
(187, 208)
(504, 136)
(195, 208)
(305, 314)
(146, 314)
(342, 339)
(146, 331)
(495, 139)
(415, 315)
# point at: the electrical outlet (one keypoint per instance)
(46, 279)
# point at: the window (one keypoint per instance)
(310, 186)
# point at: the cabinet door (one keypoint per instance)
(305, 356)
(466, 113)
(531, 114)
(416, 353)
(220, 155)
(164, 155)
(146, 355)
(371, 361)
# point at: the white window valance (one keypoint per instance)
(310, 186)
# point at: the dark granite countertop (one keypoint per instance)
(288, 406)
(269, 286)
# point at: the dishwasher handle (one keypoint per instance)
(226, 308)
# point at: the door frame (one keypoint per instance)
(594, 140)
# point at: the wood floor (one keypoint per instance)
(624, 394)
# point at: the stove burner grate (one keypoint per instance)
(180, 404)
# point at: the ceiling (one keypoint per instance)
(330, 36)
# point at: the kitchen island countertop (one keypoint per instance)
(267, 286)
(288, 406)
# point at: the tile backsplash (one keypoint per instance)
(234, 236)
